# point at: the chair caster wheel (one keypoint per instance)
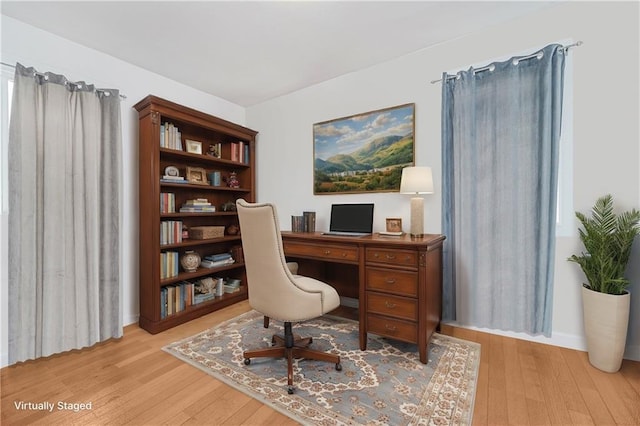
(290, 390)
(247, 361)
(338, 367)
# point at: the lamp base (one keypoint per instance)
(417, 217)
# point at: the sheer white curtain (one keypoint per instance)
(500, 141)
(64, 215)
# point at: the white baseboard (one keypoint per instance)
(132, 319)
(563, 340)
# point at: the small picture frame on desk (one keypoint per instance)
(197, 175)
(394, 224)
(194, 147)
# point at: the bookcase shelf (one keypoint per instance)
(160, 200)
(199, 273)
(191, 242)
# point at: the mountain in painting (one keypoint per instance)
(381, 152)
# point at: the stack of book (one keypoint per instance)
(217, 260)
(173, 179)
(199, 205)
(203, 297)
(232, 285)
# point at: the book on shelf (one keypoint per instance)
(206, 263)
(199, 298)
(199, 205)
(197, 202)
(240, 152)
(231, 285)
(171, 300)
(172, 178)
(163, 303)
(168, 264)
(170, 137)
(197, 209)
(167, 202)
(215, 178)
(231, 289)
(170, 232)
(219, 256)
(176, 298)
(173, 181)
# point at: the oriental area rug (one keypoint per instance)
(386, 384)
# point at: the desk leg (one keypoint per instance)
(423, 350)
(362, 300)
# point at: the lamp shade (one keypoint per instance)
(416, 180)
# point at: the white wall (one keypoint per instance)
(47, 52)
(606, 148)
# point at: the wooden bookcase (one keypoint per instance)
(193, 125)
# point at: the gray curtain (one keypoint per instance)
(64, 215)
(500, 140)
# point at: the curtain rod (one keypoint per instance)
(534, 55)
(70, 82)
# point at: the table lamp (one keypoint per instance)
(417, 180)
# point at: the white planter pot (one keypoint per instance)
(606, 318)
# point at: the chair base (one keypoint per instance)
(291, 346)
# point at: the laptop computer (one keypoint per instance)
(351, 219)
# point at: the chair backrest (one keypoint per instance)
(272, 288)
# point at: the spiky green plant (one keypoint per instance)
(607, 238)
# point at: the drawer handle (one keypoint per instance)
(344, 254)
(327, 252)
(390, 327)
(390, 280)
(389, 305)
(391, 256)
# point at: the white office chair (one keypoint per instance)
(278, 294)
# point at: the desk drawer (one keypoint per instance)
(403, 283)
(392, 256)
(395, 306)
(394, 328)
(332, 252)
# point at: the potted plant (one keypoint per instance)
(607, 239)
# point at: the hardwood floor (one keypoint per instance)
(132, 381)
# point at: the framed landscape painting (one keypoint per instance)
(364, 152)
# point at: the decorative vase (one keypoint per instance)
(190, 261)
(606, 319)
(233, 229)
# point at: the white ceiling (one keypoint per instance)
(249, 52)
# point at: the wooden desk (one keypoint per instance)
(398, 280)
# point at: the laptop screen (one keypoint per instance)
(351, 218)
